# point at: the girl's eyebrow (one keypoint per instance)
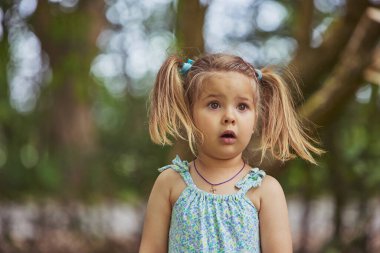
(244, 98)
(219, 96)
(212, 96)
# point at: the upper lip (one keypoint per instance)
(228, 133)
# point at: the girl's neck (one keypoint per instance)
(212, 164)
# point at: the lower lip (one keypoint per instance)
(228, 140)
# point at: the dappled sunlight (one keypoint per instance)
(363, 95)
(270, 16)
(135, 49)
(229, 24)
(277, 50)
(66, 4)
(26, 7)
(329, 6)
(227, 21)
(26, 70)
(318, 32)
(28, 66)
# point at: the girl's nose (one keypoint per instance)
(228, 118)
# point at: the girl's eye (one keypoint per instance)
(214, 105)
(242, 107)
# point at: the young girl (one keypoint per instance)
(217, 202)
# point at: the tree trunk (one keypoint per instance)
(189, 34)
(189, 30)
(69, 39)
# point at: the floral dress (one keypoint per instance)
(207, 222)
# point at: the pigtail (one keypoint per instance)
(281, 129)
(168, 113)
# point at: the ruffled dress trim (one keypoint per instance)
(177, 165)
(253, 178)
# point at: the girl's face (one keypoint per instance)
(225, 114)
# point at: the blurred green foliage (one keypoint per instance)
(74, 84)
(33, 161)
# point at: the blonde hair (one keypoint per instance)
(174, 95)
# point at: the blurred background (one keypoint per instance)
(76, 161)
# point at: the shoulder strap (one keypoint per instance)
(252, 179)
(182, 167)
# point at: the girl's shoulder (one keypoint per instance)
(168, 177)
(270, 183)
(270, 189)
(171, 182)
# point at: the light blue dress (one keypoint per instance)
(206, 222)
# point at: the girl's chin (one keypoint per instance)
(222, 153)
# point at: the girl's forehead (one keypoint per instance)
(228, 82)
(226, 75)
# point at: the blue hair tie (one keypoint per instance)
(259, 74)
(186, 67)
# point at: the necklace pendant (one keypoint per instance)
(213, 190)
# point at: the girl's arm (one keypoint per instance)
(157, 217)
(274, 222)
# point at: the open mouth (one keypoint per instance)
(228, 135)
